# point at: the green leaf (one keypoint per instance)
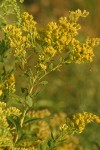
(11, 120)
(50, 66)
(43, 146)
(14, 122)
(61, 59)
(31, 119)
(29, 100)
(38, 48)
(15, 100)
(52, 136)
(49, 143)
(25, 136)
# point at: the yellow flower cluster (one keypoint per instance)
(47, 54)
(79, 121)
(6, 138)
(13, 110)
(54, 39)
(14, 35)
(28, 24)
(16, 41)
(8, 84)
(43, 128)
(60, 37)
(80, 52)
(9, 111)
(74, 15)
(92, 42)
(39, 114)
(19, 40)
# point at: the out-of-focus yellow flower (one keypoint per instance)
(1, 86)
(71, 143)
(0, 92)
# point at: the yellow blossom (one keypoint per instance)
(43, 66)
(78, 122)
(9, 83)
(0, 92)
(28, 22)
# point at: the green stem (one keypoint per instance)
(55, 68)
(23, 117)
(21, 123)
(16, 139)
(38, 80)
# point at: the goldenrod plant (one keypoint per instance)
(22, 127)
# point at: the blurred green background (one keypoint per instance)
(76, 88)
